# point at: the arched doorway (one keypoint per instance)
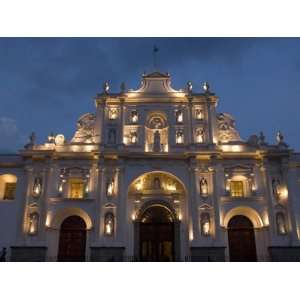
(156, 235)
(241, 239)
(72, 239)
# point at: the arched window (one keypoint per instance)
(8, 184)
(109, 224)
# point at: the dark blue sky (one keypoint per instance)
(47, 83)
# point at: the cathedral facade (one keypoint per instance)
(155, 174)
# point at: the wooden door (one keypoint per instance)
(156, 236)
(72, 239)
(241, 239)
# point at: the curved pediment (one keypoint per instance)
(156, 83)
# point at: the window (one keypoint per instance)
(76, 188)
(236, 189)
(9, 190)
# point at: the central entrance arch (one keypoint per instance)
(156, 234)
(72, 239)
(241, 239)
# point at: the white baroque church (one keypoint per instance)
(155, 174)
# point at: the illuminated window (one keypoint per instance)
(236, 189)
(76, 188)
(9, 190)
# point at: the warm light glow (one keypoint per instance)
(108, 228)
(206, 228)
(171, 187)
(232, 148)
(191, 234)
(284, 193)
(48, 219)
(110, 188)
(179, 216)
(134, 116)
(133, 138)
(133, 216)
(179, 117)
(113, 113)
(199, 114)
(60, 187)
(139, 185)
(179, 137)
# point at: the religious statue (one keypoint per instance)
(32, 140)
(51, 138)
(200, 135)
(199, 114)
(109, 224)
(280, 222)
(123, 87)
(261, 139)
(37, 187)
(134, 116)
(110, 187)
(276, 187)
(133, 137)
(105, 87)
(179, 137)
(179, 116)
(156, 144)
(189, 87)
(205, 224)
(206, 87)
(203, 187)
(112, 136)
(33, 223)
(156, 183)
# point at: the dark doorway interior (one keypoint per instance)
(157, 235)
(241, 239)
(72, 240)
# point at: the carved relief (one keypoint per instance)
(85, 129)
(226, 129)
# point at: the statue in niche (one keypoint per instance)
(200, 135)
(33, 223)
(156, 184)
(110, 187)
(280, 222)
(199, 114)
(205, 224)
(112, 136)
(276, 187)
(109, 224)
(156, 144)
(203, 187)
(37, 187)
